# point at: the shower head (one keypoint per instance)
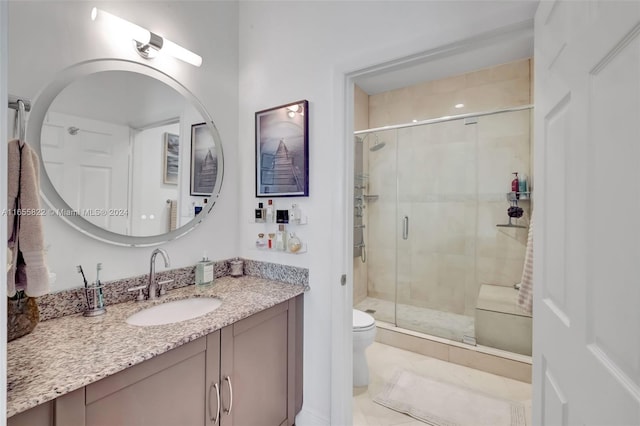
(378, 146)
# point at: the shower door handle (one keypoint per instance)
(405, 228)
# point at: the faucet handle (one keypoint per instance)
(163, 290)
(140, 296)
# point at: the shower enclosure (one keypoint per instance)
(428, 197)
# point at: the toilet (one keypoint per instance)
(364, 331)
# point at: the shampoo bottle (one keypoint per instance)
(515, 185)
(204, 271)
(522, 183)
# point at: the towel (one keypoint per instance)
(173, 214)
(28, 270)
(525, 295)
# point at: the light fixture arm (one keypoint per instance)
(148, 50)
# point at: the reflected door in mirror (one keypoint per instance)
(88, 161)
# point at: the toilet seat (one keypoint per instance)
(362, 321)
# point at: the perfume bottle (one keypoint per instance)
(260, 213)
(281, 238)
(294, 214)
(294, 244)
(270, 211)
(261, 242)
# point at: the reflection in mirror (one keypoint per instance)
(117, 147)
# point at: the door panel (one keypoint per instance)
(586, 321)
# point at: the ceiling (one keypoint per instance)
(458, 58)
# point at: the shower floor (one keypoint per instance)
(429, 321)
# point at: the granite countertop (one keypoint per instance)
(67, 353)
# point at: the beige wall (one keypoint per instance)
(453, 180)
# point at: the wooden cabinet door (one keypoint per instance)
(254, 361)
(166, 390)
(40, 415)
(213, 402)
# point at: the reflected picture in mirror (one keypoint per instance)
(171, 158)
(110, 144)
(204, 160)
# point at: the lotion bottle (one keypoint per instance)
(204, 271)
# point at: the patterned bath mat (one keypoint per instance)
(444, 404)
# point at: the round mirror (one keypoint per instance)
(128, 155)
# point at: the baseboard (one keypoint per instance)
(308, 418)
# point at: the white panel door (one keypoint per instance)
(587, 183)
(89, 167)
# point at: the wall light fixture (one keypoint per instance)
(147, 44)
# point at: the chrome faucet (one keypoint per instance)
(153, 287)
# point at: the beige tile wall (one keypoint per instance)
(361, 122)
(452, 181)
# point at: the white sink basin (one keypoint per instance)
(176, 311)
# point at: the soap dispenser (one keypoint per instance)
(204, 271)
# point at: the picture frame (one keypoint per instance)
(282, 150)
(204, 160)
(171, 158)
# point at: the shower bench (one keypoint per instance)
(500, 323)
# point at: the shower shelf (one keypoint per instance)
(518, 196)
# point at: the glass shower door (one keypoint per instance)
(435, 227)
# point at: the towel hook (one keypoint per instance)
(21, 121)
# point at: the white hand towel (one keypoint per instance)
(525, 295)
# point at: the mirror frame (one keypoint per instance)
(39, 110)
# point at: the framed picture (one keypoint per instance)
(204, 160)
(171, 159)
(282, 151)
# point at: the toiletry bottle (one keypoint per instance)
(260, 242)
(522, 184)
(294, 214)
(293, 243)
(515, 187)
(270, 211)
(272, 237)
(204, 271)
(260, 213)
(281, 238)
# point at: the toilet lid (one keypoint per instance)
(362, 320)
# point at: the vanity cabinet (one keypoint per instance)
(248, 373)
(258, 379)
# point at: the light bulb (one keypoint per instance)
(148, 42)
(181, 53)
(121, 26)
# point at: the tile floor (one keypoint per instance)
(430, 321)
(382, 361)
